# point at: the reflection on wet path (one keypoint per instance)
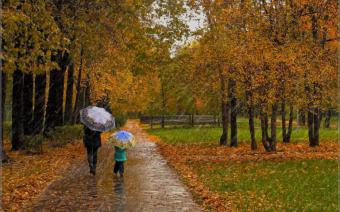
(148, 184)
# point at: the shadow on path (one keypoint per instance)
(148, 184)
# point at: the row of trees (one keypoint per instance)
(43, 42)
(29, 35)
(261, 58)
(65, 55)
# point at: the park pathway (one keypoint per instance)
(148, 185)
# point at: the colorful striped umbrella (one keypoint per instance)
(122, 139)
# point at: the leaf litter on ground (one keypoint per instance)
(25, 176)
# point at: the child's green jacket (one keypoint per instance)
(120, 154)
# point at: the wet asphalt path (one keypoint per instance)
(148, 184)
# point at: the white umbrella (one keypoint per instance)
(97, 119)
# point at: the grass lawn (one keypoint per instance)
(253, 181)
(291, 185)
(188, 135)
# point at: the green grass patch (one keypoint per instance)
(187, 135)
(290, 185)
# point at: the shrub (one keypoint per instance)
(33, 144)
(120, 120)
(65, 134)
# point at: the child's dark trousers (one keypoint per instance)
(119, 167)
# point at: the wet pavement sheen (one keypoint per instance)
(148, 184)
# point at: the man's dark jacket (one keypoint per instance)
(91, 138)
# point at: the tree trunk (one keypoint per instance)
(264, 132)
(54, 109)
(273, 127)
(252, 127)
(39, 103)
(266, 126)
(192, 120)
(225, 121)
(78, 88)
(82, 98)
(69, 95)
(233, 114)
(4, 156)
(328, 119)
(162, 121)
(224, 111)
(302, 118)
(316, 116)
(87, 93)
(283, 117)
(310, 122)
(28, 104)
(64, 62)
(290, 123)
(317, 120)
(17, 111)
(249, 98)
(163, 107)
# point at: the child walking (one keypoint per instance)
(119, 157)
(121, 141)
